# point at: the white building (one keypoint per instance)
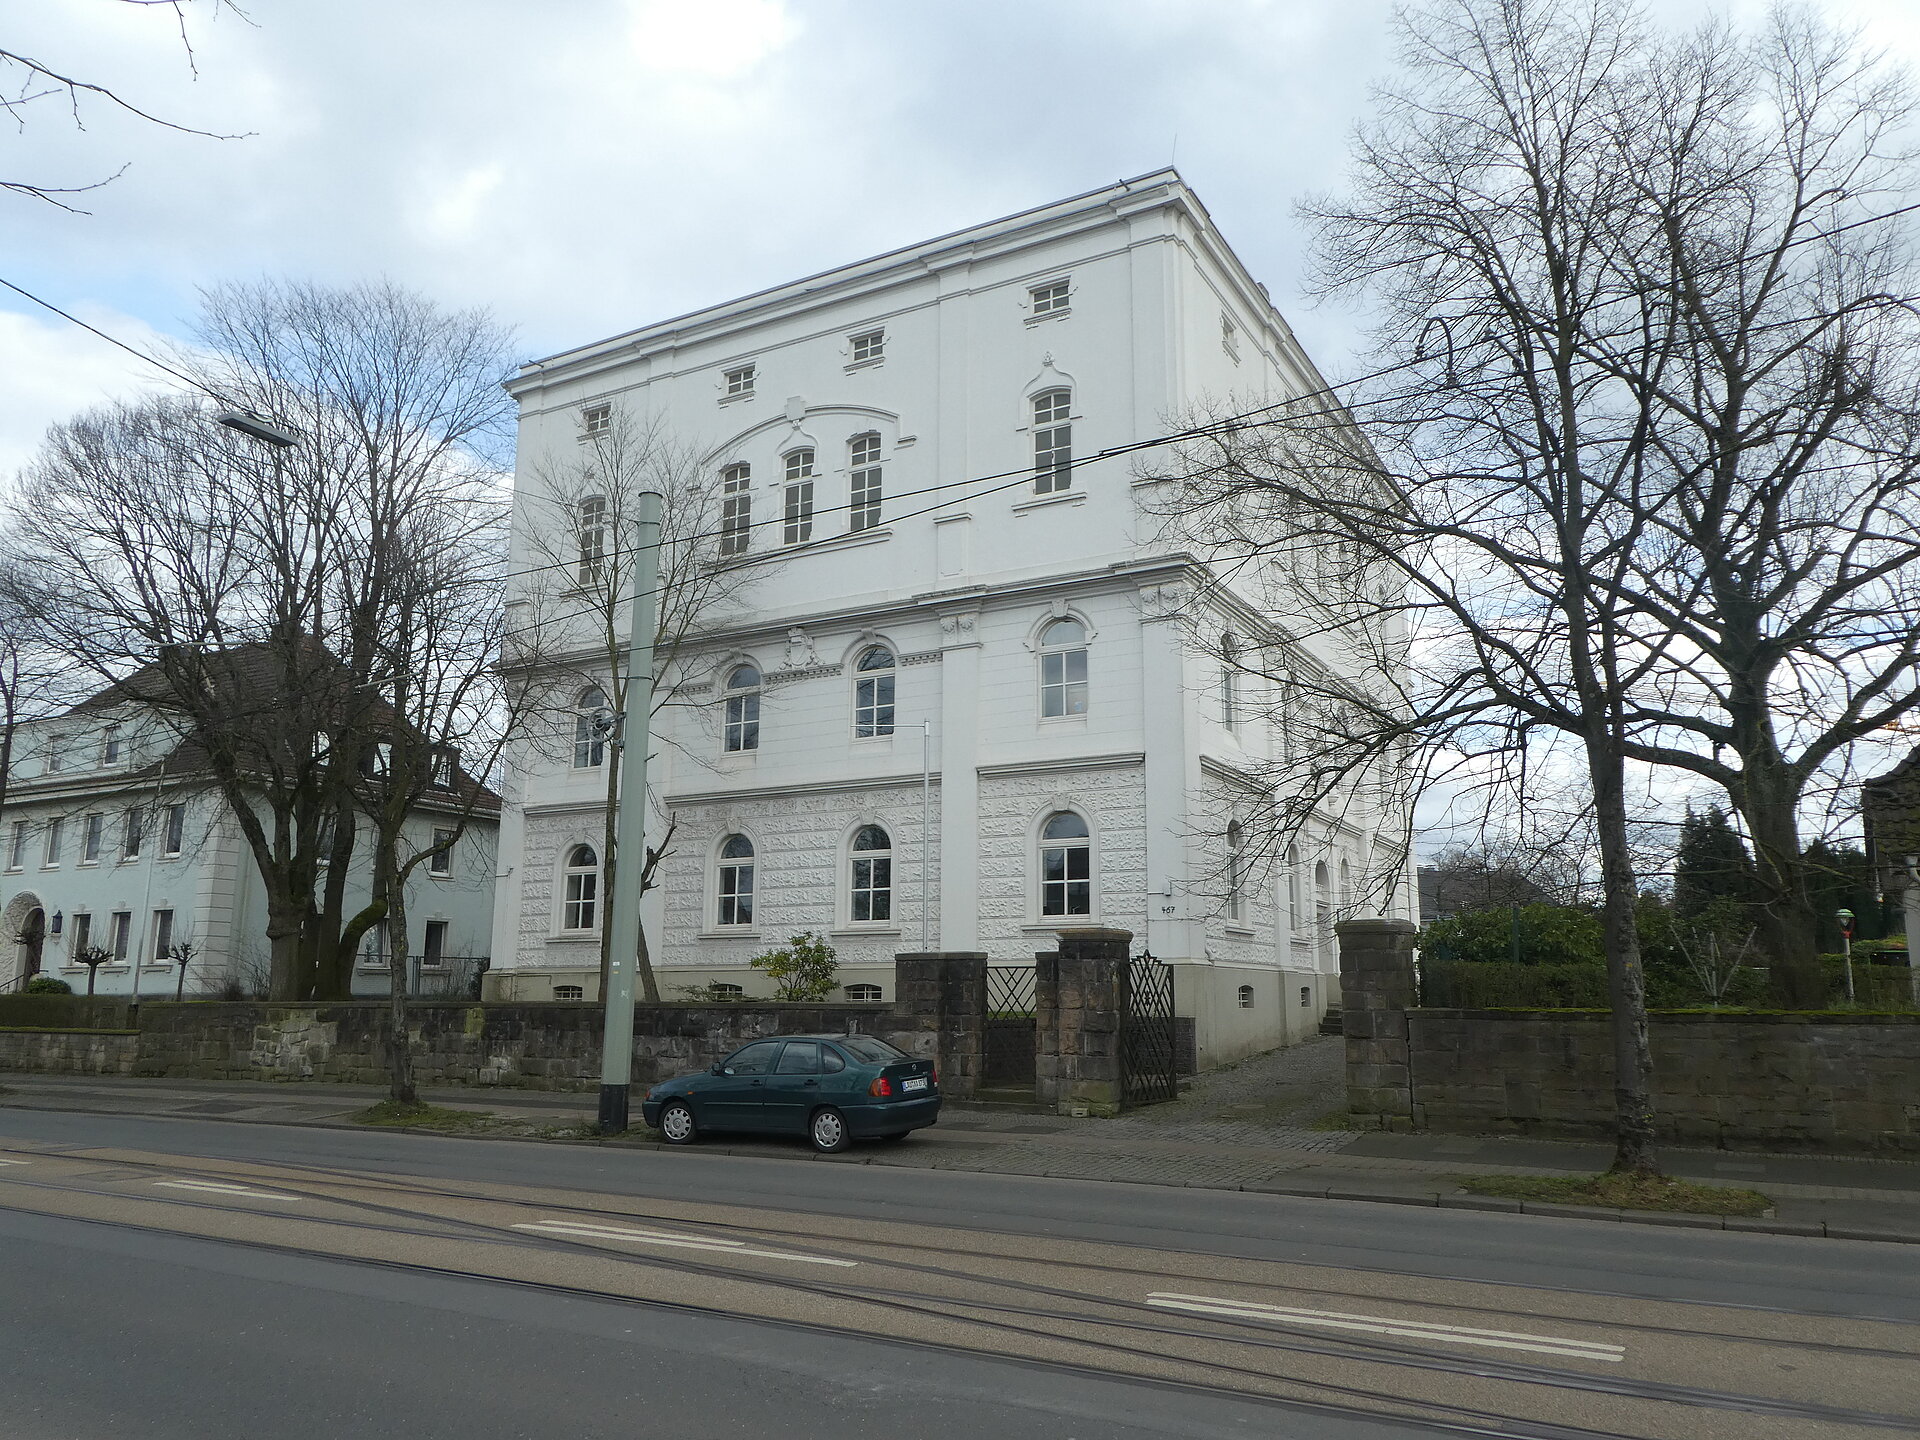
(114, 836)
(910, 452)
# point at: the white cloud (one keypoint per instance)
(55, 370)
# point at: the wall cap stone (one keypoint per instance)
(1374, 925)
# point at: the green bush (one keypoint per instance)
(1500, 984)
(802, 969)
(1549, 935)
(48, 985)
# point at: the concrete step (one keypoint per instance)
(1330, 1023)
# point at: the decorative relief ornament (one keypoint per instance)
(800, 651)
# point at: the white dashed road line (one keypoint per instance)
(210, 1187)
(1384, 1325)
(16, 1162)
(571, 1230)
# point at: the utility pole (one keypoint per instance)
(630, 834)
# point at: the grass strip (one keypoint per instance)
(423, 1117)
(1622, 1192)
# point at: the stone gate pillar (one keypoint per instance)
(941, 997)
(1377, 988)
(1078, 994)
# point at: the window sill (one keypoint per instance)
(739, 399)
(439, 874)
(1238, 930)
(83, 864)
(1058, 497)
(1061, 314)
(855, 928)
(1078, 722)
(873, 364)
(731, 932)
(1063, 922)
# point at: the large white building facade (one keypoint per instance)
(909, 454)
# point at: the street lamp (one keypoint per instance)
(1845, 917)
(258, 427)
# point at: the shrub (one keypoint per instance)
(48, 985)
(802, 969)
(1549, 935)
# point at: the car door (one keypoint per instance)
(736, 1098)
(794, 1087)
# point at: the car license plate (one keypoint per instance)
(919, 1084)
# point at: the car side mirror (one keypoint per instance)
(721, 1070)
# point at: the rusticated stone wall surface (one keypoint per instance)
(1078, 1012)
(1377, 988)
(68, 1052)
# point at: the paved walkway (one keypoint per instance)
(1253, 1126)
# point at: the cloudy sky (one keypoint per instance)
(585, 166)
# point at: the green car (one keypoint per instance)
(834, 1089)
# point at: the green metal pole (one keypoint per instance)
(630, 831)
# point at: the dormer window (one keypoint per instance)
(739, 382)
(869, 347)
(112, 747)
(596, 419)
(1050, 298)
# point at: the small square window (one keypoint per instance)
(1229, 335)
(739, 382)
(1050, 298)
(596, 419)
(869, 347)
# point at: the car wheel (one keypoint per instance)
(828, 1131)
(676, 1124)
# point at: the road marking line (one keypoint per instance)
(669, 1238)
(1383, 1325)
(214, 1188)
(16, 1162)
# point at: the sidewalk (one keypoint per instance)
(1249, 1127)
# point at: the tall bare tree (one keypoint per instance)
(570, 628)
(1641, 442)
(253, 594)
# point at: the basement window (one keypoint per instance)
(1246, 997)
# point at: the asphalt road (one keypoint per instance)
(166, 1278)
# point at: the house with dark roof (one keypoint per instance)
(1890, 808)
(115, 837)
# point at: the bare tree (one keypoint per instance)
(27, 82)
(251, 595)
(571, 621)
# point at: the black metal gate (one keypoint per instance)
(1009, 1041)
(1148, 1065)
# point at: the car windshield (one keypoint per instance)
(874, 1052)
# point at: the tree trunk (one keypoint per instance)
(1626, 982)
(180, 986)
(1789, 938)
(399, 1047)
(643, 963)
(93, 972)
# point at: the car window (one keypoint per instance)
(801, 1057)
(874, 1052)
(754, 1059)
(832, 1060)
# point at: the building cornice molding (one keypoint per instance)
(804, 787)
(1120, 760)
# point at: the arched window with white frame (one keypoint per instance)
(863, 482)
(1230, 682)
(1063, 669)
(870, 879)
(873, 689)
(591, 724)
(742, 724)
(1294, 913)
(591, 531)
(735, 890)
(1066, 865)
(796, 511)
(1052, 441)
(580, 890)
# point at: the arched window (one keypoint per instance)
(1066, 866)
(569, 992)
(743, 709)
(871, 892)
(736, 881)
(863, 453)
(591, 723)
(1322, 914)
(1236, 871)
(1246, 997)
(1346, 889)
(1063, 669)
(797, 500)
(873, 693)
(593, 539)
(736, 509)
(580, 909)
(1294, 911)
(1229, 682)
(1052, 441)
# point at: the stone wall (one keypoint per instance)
(1830, 1081)
(1785, 1079)
(529, 1046)
(68, 1052)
